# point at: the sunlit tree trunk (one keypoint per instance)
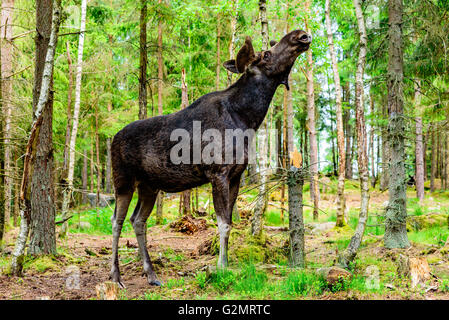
(339, 114)
(314, 190)
(76, 110)
(6, 50)
(396, 213)
(362, 159)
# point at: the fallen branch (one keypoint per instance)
(63, 220)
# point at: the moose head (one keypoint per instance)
(274, 63)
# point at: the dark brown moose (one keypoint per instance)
(141, 152)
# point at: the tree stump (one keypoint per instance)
(416, 269)
(107, 290)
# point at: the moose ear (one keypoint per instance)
(273, 43)
(245, 55)
(231, 66)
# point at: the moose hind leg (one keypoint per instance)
(147, 199)
(121, 209)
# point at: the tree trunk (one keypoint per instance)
(38, 212)
(92, 166)
(314, 190)
(76, 110)
(262, 199)
(371, 143)
(433, 162)
(143, 61)
(384, 178)
(233, 28)
(6, 49)
(69, 113)
(2, 176)
(218, 66)
(160, 75)
(396, 213)
(419, 147)
(296, 219)
(97, 149)
(351, 251)
(186, 195)
(84, 177)
(340, 134)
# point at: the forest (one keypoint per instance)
(347, 192)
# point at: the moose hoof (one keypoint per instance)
(156, 283)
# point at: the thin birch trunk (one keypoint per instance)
(261, 203)
(339, 115)
(350, 252)
(76, 110)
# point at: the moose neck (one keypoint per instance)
(250, 98)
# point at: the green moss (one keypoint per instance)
(432, 259)
(41, 264)
(426, 221)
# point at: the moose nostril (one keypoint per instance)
(305, 38)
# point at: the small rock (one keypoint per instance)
(323, 227)
(334, 274)
(83, 225)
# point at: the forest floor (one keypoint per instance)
(258, 269)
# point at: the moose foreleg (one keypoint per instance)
(220, 193)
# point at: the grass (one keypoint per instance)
(435, 235)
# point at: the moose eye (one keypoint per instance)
(267, 55)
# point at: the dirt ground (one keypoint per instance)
(94, 252)
(176, 255)
(91, 255)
